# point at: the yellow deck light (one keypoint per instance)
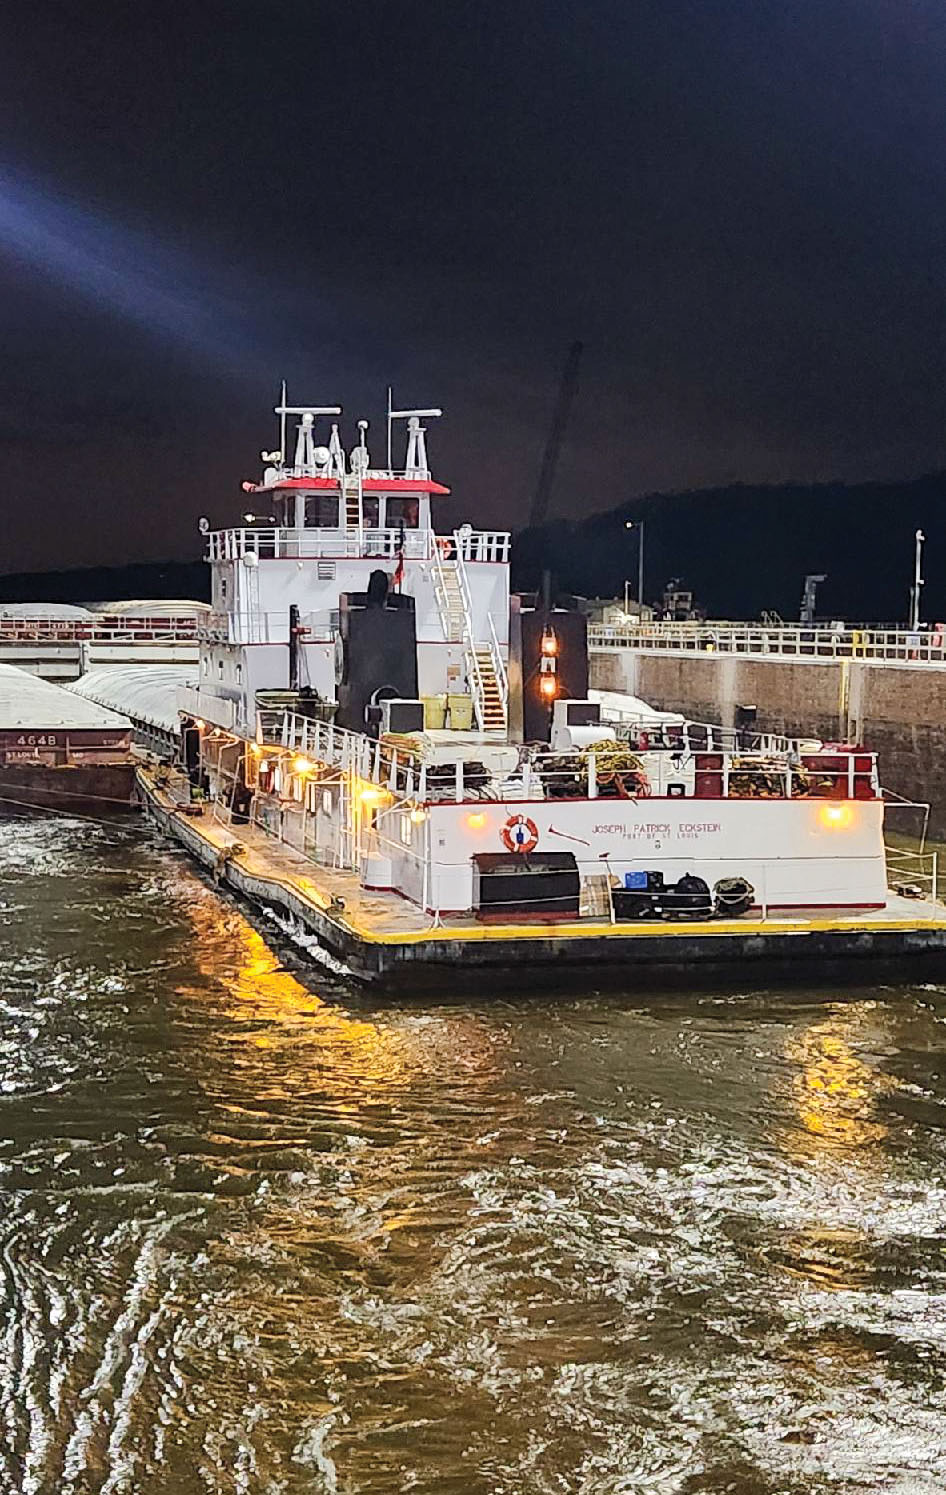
(836, 816)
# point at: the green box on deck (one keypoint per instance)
(460, 712)
(435, 709)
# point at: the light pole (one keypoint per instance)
(917, 582)
(637, 524)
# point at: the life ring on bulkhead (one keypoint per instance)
(444, 545)
(520, 834)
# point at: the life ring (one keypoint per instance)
(444, 545)
(520, 834)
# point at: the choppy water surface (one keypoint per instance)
(256, 1236)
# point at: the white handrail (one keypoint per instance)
(797, 642)
(474, 673)
(440, 592)
(278, 543)
(499, 666)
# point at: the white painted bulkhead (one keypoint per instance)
(255, 600)
(801, 853)
(795, 853)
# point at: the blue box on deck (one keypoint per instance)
(635, 882)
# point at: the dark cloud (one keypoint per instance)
(739, 207)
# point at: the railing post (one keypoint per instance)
(458, 781)
(850, 776)
(592, 777)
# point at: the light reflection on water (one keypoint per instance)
(258, 1236)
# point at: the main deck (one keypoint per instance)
(383, 938)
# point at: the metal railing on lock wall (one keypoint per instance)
(926, 646)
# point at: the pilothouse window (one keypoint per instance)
(321, 511)
(404, 511)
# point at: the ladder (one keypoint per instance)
(484, 664)
(353, 508)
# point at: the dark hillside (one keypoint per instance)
(742, 549)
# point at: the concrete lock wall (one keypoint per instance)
(898, 711)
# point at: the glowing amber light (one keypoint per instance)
(200, 725)
(418, 816)
(301, 765)
(547, 685)
(476, 821)
(255, 749)
(371, 796)
(549, 644)
(835, 816)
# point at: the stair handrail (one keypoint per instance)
(499, 666)
(440, 589)
(474, 672)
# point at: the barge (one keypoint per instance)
(399, 756)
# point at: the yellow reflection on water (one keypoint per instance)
(836, 1092)
(258, 1005)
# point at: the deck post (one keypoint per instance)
(592, 778)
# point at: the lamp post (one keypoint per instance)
(637, 524)
(917, 582)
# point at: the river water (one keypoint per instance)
(258, 1234)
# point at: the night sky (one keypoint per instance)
(739, 207)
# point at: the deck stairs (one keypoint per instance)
(491, 697)
(450, 601)
(485, 668)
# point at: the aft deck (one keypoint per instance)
(381, 935)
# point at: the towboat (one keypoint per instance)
(402, 759)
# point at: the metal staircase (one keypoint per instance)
(491, 709)
(485, 669)
(450, 601)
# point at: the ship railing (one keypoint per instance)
(371, 474)
(642, 733)
(358, 544)
(105, 629)
(399, 768)
(706, 737)
(914, 873)
(893, 645)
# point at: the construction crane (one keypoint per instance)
(563, 406)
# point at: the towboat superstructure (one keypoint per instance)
(365, 692)
(325, 523)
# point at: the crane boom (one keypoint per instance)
(563, 405)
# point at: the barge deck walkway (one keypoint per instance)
(382, 936)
